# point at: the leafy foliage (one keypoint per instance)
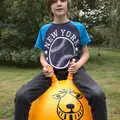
(91, 13)
(22, 58)
(20, 21)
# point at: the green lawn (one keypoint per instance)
(105, 69)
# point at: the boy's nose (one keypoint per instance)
(58, 2)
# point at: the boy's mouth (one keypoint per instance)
(59, 9)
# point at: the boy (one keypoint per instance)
(60, 41)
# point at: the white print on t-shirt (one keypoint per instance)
(60, 45)
(63, 32)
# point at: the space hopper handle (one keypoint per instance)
(69, 77)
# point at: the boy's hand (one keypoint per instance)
(48, 71)
(73, 67)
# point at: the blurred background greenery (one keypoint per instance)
(20, 21)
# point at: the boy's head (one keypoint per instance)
(56, 6)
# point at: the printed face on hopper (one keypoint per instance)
(69, 106)
(60, 46)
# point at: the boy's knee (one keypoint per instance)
(21, 96)
(98, 93)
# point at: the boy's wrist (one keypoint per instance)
(44, 64)
(79, 65)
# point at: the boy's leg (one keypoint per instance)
(94, 94)
(28, 93)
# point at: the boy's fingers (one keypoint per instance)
(48, 71)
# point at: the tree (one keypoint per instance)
(115, 23)
(20, 21)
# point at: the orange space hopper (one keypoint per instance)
(62, 101)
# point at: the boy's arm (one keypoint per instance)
(43, 60)
(74, 66)
(47, 72)
(84, 58)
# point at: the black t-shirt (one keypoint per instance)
(60, 42)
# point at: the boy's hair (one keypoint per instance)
(49, 3)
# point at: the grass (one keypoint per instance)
(104, 69)
(10, 81)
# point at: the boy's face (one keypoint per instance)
(59, 7)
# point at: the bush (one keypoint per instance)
(5, 57)
(22, 58)
(103, 35)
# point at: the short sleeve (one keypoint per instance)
(84, 36)
(39, 41)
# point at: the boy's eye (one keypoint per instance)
(54, 1)
(63, 0)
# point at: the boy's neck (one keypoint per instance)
(60, 20)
